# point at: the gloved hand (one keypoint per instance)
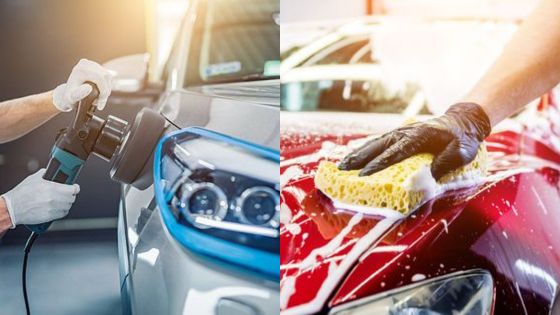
(453, 138)
(36, 200)
(66, 95)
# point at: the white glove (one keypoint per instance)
(36, 200)
(66, 95)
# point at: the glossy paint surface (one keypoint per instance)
(509, 224)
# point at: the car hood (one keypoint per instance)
(242, 110)
(266, 92)
(331, 255)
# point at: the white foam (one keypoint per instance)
(293, 228)
(328, 149)
(383, 212)
(445, 225)
(285, 214)
(288, 285)
(290, 173)
(336, 273)
(332, 245)
(384, 249)
(418, 277)
(422, 181)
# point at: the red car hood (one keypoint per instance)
(330, 256)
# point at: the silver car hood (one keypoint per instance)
(248, 111)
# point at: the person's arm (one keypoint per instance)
(36, 200)
(22, 115)
(528, 67)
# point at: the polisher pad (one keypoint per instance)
(402, 187)
(132, 161)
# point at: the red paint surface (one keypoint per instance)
(509, 227)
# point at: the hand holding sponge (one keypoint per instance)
(402, 186)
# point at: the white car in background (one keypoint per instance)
(386, 64)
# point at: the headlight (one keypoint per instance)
(469, 292)
(259, 206)
(203, 200)
(219, 196)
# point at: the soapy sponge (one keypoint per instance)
(401, 187)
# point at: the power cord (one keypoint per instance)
(26, 250)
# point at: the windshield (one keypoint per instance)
(234, 41)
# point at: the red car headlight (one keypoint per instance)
(465, 292)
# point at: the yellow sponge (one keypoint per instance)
(401, 187)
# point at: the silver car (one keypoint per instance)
(204, 239)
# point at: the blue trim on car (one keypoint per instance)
(266, 263)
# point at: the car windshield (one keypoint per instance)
(234, 41)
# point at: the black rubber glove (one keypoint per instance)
(453, 138)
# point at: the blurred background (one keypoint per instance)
(41, 40)
(390, 56)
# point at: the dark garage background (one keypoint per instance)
(40, 42)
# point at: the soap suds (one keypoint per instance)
(418, 277)
(384, 249)
(445, 226)
(332, 245)
(285, 214)
(383, 212)
(333, 279)
(328, 149)
(422, 181)
(541, 204)
(293, 228)
(290, 173)
(288, 285)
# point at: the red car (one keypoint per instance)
(489, 249)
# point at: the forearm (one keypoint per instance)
(5, 221)
(22, 115)
(528, 67)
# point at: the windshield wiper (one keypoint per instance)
(245, 78)
(258, 76)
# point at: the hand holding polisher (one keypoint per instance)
(129, 150)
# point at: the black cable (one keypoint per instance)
(169, 121)
(26, 251)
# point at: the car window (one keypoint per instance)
(343, 52)
(234, 41)
(346, 95)
(330, 94)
